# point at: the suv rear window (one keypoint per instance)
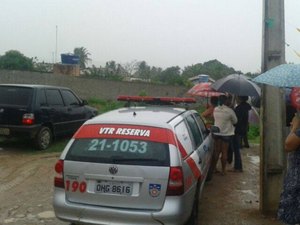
(15, 95)
(119, 151)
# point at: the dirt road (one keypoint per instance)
(26, 189)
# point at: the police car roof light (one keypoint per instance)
(150, 99)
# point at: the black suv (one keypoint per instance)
(41, 112)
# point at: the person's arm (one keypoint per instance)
(292, 142)
(233, 117)
(208, 113)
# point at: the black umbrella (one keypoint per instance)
(237, 84)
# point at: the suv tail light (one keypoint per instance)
(59, 178)
(175, 185)
(28, 119)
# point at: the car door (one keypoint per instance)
(201, 142)
(75, 114)
(56, 110)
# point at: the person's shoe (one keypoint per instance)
(246, 146)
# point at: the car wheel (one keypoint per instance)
(193, 220)
(43, 138)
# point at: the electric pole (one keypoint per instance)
(272, 166)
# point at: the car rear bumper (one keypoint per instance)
(19, 131)
(172, 213)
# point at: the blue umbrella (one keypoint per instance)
(285, 75)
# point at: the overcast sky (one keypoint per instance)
(163, 33)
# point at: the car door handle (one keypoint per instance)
(200, 161)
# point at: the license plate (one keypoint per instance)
(118, 188)
(4, 131)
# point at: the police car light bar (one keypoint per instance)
(149, 99)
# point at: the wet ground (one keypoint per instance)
(233, 199)
(26, 189)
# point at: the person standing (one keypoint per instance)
(241, 128)
(289, 205)
(208, 114)
(225, 119)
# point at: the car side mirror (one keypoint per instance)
(214, 129)
(84, 102)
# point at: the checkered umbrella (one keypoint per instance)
(203, 90)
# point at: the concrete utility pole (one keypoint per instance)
(272, 166)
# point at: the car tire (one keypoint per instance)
(193, 220)
(43, 138)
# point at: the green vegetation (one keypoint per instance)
(83, 55)
(137, 71)
(254, 134)
(104, 105)
(15, 60)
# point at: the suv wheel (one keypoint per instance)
(43, 138)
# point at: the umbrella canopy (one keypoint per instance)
(285, 75)
(237, 84)
(203, 90)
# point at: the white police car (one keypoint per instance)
(135, 165)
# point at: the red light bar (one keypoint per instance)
(135, 98)
(150, 99)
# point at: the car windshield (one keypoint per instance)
(15, 95)
(121, 151)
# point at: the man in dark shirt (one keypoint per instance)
(241, 129)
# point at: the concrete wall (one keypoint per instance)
(88, 87)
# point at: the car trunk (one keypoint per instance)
(14, 102)
(12, 115)
(133, 186)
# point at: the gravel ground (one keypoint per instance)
(26, 189)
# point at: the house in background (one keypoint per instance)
(201, 78)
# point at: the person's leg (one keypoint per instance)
(246, 143)
(216, 153)
(224, 150)
(237, 154)
(230, 152)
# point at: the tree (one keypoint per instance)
(213, 68)
(172, 76)
(143, 70)
(83, 55)
(114, 71)
(15, 60)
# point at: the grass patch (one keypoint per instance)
(254, 134)
(104, 105)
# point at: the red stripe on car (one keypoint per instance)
(181, 149)
(146, 133)
(195, 170)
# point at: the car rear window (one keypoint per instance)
(119, 151)
(15, 95)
